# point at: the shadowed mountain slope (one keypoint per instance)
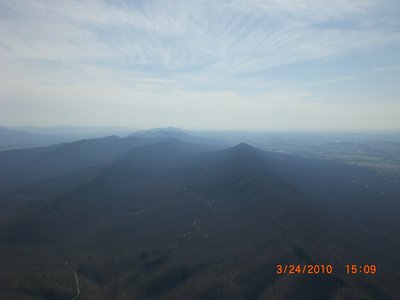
(174, 220)
(27, 165)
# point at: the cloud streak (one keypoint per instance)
(178, 35)
(172, 47)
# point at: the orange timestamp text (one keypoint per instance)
(304, 269)
(351, 269)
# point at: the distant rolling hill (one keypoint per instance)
(30, 136)
(26, 165)
(16, 138)
(151, 218)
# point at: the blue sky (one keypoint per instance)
(298, 64)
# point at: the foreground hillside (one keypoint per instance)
(161, 218)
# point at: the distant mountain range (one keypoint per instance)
(167, 215)
(31, 136)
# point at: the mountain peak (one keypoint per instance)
(241, 153)
(243, 148)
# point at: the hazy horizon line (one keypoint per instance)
(134, 128)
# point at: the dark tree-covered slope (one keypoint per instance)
(178, 220)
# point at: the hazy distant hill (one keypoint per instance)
(25, 165)
(31, 136)
(150, 218)
(177, 133)
(13, 139)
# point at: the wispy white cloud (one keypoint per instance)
(349, 77)
(232, 36)
(158, 48)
